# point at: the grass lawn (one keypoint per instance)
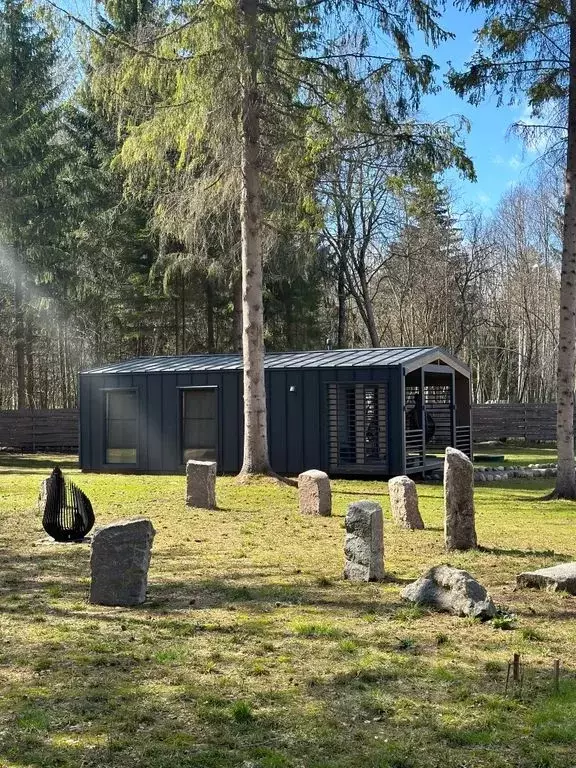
(252, 652)
(516, 455)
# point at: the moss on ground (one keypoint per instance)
(251, 650)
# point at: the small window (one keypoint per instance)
(121, 427)
(199, 424)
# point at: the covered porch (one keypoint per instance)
(437, 414)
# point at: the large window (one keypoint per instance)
(199, 424)
(121, 426)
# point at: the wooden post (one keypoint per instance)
(516, 667)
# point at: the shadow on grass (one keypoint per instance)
(17, 464)
(159, 687)
(32, 584)
(528, 553)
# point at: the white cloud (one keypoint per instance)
(515, 163)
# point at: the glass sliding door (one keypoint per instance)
(199, 429)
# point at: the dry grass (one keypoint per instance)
(251, 650)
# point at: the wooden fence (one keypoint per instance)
(57, 430)
(532, 422)
(27, 430)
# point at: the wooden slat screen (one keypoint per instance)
(527, 421)
(27, 430)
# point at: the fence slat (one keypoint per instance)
(57, 430)
(528, 421)
(27, 430)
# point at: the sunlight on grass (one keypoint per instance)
(253, 652)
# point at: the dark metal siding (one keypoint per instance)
(396, 422)
(297, 421)
(153, 416)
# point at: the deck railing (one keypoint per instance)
(463, 441)
(414, 448)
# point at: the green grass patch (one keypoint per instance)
(252, 651)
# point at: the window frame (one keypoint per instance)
(181, 395)
(120, 465)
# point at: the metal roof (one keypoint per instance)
(409, 357)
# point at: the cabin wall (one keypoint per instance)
(159, 419)
(297, 420)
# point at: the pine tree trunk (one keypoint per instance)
(566, 478)
(237, 316)
(19, 344)
(210, 338)
(30, 376)
(255, 430)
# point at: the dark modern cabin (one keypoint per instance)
(378, 412)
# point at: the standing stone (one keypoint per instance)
(43, 494)
(404, 503)
(459, 526)
(364, 544)
(201, 484)
(119, 562)
(314, 493)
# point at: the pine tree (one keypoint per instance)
(231, 99)
(528, 51)
(30, 157)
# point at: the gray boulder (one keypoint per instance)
(459, 517)
(557, 578)
(451, 590)
(364, 543)
(119, 561)
(404, 503)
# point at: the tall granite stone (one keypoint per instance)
(364, 543)
(119, 561)
(459, 520)
(314, 493)
(404, 503)
(43, 494)
(201, 484)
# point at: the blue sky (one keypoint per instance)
(500, 159)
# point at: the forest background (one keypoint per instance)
(368, 244)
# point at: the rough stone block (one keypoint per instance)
(557, 578)
(404, 503)
(364, 543)
(314, 494)
(459, 516)
(119, 561)
(452, 590)
(201, 484)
